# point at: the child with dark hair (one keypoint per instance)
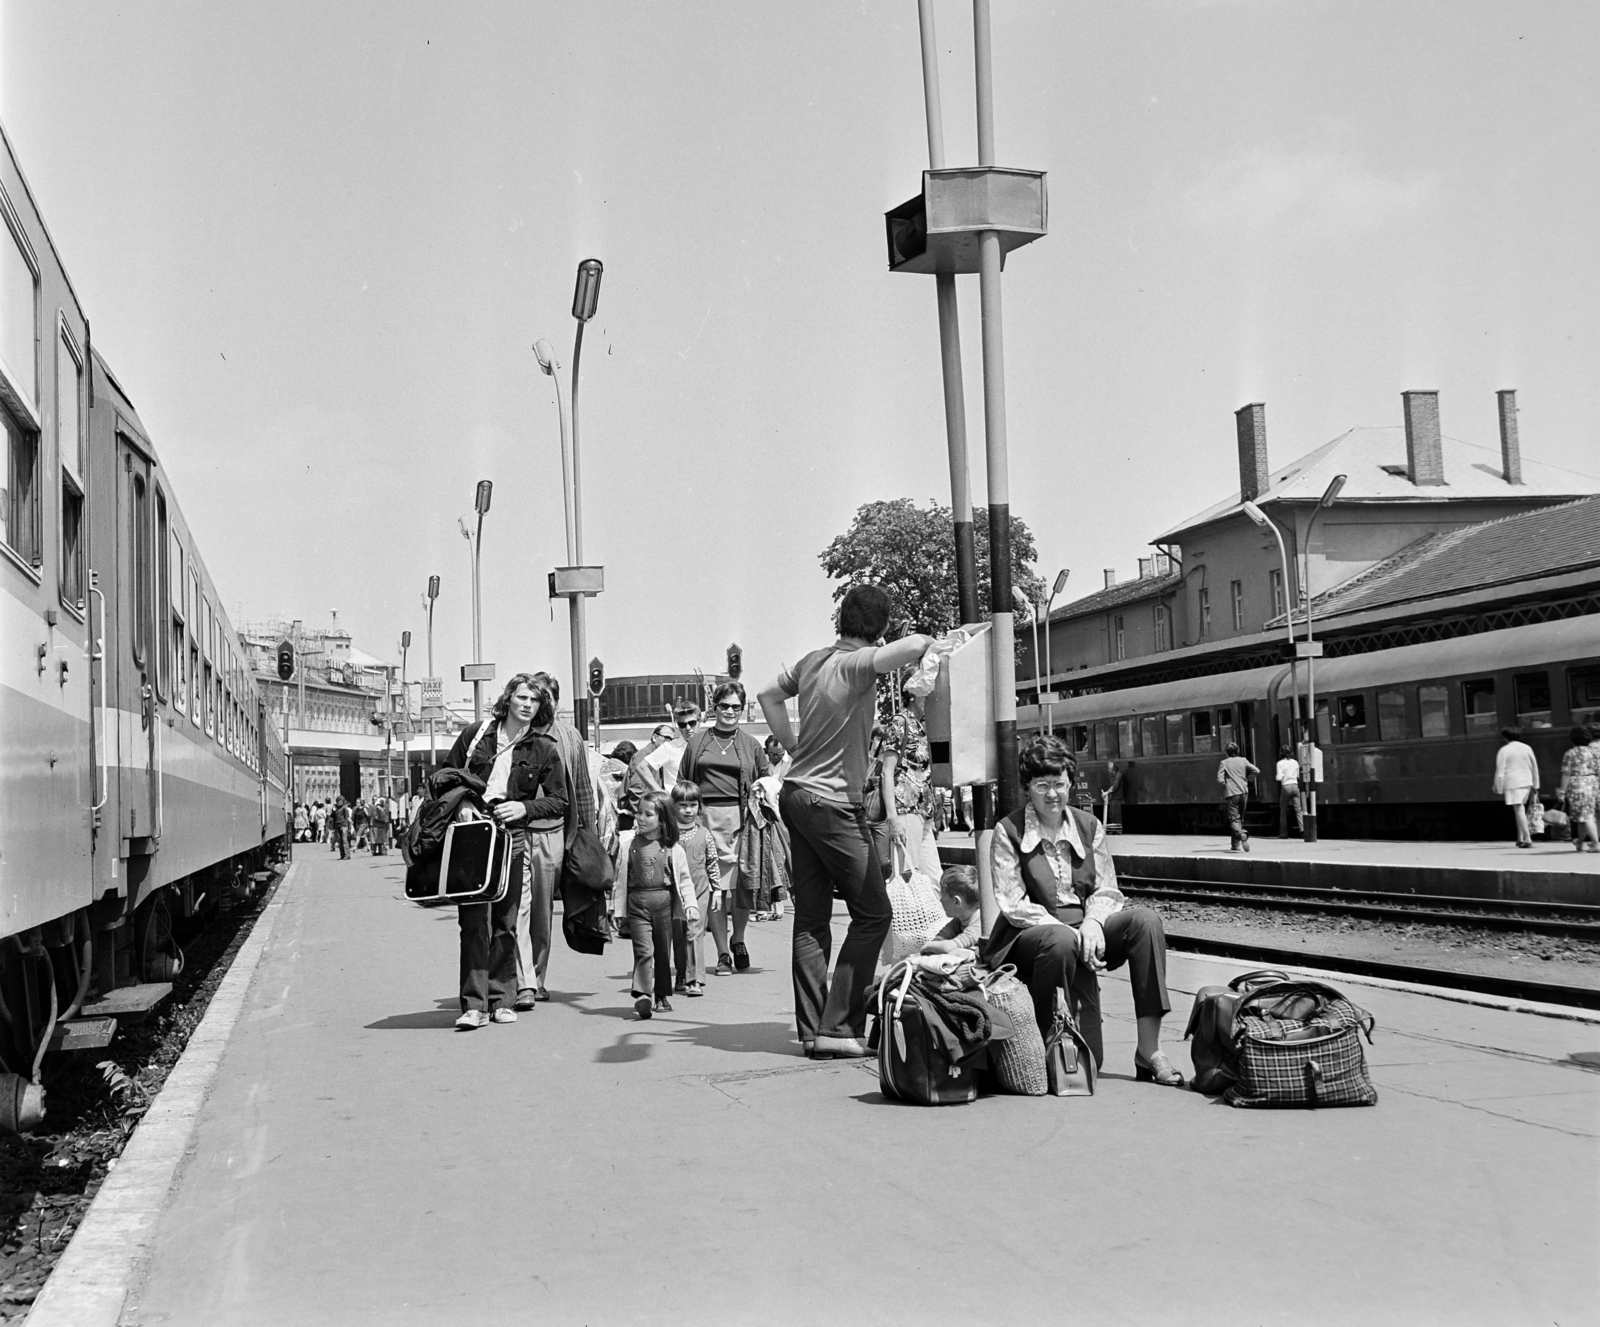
(958, 894)
(655, 880)
(701, 850)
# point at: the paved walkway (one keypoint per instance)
(357, 1161)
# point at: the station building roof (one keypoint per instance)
(1374, 463)
(1531, 545)
(1115, 596)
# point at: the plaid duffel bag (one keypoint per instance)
(1298, 1043)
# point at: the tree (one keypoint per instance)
(911, 552)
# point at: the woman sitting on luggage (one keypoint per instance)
(525, 785)
(1062, 918)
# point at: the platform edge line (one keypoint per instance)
(89, 1285)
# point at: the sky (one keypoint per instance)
(317, 242)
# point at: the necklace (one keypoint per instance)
(724, 747)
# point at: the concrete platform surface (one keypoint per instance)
(358, 1161)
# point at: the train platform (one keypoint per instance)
(331, 1151)
(1550, 872)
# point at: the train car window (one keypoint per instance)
(139, 514)
(1533, 699)
(1584, 688)
(1127, 739)
(19, 314)
(194, 681)
(1224, 729)
(19, 504)
(1105, 740)
(1353, 718)
(72, 542)
(163, 641)
(1477, 703)
(69, 406)
(1324, 724)
(1434, 705)
(1080, 741)
(1150, 736)
(1204, 738)
(1392, 716)
(1177, 734)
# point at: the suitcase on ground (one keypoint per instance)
(1298, 1043)
(1211, 1029)
(473, 866)
(911, 1065)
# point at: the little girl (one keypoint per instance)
(701, 850)
(655, 870)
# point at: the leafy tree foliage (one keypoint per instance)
(911, 552)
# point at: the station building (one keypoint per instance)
(1215, 595)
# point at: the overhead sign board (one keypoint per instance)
(477, 672)
(1308, 649)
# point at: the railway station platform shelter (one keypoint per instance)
(333, 1163)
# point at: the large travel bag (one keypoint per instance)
(1211, 1029)
(473, 866)
(912, 1064)
(1298, 1043)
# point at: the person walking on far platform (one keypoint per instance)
(1580, 785)
(1234, 775)
(1288, 776)
(1516, 779)
(378, 821)
(829, 839)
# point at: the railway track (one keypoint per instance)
(1573, 920)
(1514, 988)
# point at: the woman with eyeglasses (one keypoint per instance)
(1062, 919)
(724, 762)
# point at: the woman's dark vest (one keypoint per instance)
(1037, 877)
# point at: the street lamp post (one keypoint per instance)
(1267, 523)
(480, 504)
(1049, 671)
(433, 593)
(1032, 610)
(405, 709)
(1310, 817)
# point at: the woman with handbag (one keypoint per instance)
(909, 796)
(1580, 786)
(1061, 918)
(525, 787)
(724, 762)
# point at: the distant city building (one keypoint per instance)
(1217, 582)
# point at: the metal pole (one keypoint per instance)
(1038, 685)
(477, 619)
(578, 633)
(432, 758)
(1049, 666)
(575, 621)
(405, 727)
(1002, 633)
(1308, 817)
(955, 398)
(388, 729)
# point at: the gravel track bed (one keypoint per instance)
(93, 1102)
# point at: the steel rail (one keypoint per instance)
(1514, 988)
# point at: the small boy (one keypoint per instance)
(697, 844)
(958, 893)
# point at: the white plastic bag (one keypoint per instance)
(926, 673)
(914, 901)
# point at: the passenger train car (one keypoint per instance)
(1408, 734)
(139, 777)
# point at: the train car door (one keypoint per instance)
(135, 646)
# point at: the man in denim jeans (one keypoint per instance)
(830, 846)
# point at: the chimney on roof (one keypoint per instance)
(1510, 448)
(1111, 577)
(1424, 451)
(1250, 421)
(1147, 568)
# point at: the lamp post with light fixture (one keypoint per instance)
(1311, 651)
(480, 504)
(1032, 610)
(1049, 671)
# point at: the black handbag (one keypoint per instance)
(1216, 1066)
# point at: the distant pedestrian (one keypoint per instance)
(666, 760)
(907, 766)
(1234, 775)
(358, 823)
(1580, 786)
(378, 822)
(341, 828)
(642, 776)
(615, 772)
(829, 839)
(319, 818)
(1516, 779)
(1111, 798)
(1288, 776)
(302, 823)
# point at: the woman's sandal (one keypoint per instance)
(1157, 1069)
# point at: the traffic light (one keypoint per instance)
(285, 660)
(735, 662)
(597, 677)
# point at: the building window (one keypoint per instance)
(1275, 582)
(1121, 641)
(1205, 612)
(1163, 628)
(1236, 597)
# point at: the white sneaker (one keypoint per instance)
(473, 1018)
(503, 1015)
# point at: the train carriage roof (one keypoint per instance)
(1192, 694)
(1538, 644)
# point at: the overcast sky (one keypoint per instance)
(317, 241)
